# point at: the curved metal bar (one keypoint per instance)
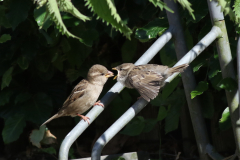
(141, 103)
(197, 49)
(109, 96)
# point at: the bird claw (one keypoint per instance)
(84, 118)
(99, 103)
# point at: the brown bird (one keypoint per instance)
(147, 79)
(85, 94)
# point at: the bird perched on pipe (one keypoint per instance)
(146, 79)
(85, 94)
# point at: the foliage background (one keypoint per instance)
(40, 66)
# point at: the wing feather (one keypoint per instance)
(146, 82)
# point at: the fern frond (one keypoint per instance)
(67, 6)
(161, 5)
(237, 10)
(187, 5)
(106, 10)
(57, 19)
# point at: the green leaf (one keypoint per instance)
(13, 128)
(121, 103)
(149, 11)
(225, 121)
(149, 125)
(176, 101)
(38, 108)
(56, 17)
(215, 81)
(162, 113)
(207, 105)
(214, 68)
(172, 119)
(5, 96)
(158, 101)
(18, 12)
(22, 97)
(23, 62)
(107, 12)
(3, 18)
(78, 53)
(187, 5)
(228, 83)
(151, 30)
(42, 17)
(167, 54)
(201, 87)
(67, 6)
(128, 50)
(37, 135)
(135, 127)
(170, 87)
(189, 39)
(7, 77)
(4, 38)
(161, 5)
(72, 74)
(49, 150)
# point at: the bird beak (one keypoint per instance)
(109, 74)
(116, 75)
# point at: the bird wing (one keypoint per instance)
(146, 82)
(76, 93)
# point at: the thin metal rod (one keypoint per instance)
(109, 96)
(140, 104)
(227, 68)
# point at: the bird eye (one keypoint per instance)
(102, 74)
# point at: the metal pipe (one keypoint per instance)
(109, 96)
(140, 104)
(189, 82)
(227, 68)
(238, 67)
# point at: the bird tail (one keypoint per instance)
(53, 117)
(179, 68)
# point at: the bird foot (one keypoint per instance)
(99, 103)
(84, 118)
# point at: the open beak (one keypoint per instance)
(116, 75)
(109, 74)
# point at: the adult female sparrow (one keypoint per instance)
(147, 79)
(85, 94)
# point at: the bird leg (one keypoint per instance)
(99, 103)
(84, 118)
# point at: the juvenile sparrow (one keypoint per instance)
(147, 79)
(85, 94)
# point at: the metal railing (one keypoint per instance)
(218, 32)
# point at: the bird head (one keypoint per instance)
(123, 71)
(99, 74)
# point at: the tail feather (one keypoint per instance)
(53, 117)
(179, 68)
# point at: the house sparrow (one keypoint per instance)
(147, 79)
(85, 94)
